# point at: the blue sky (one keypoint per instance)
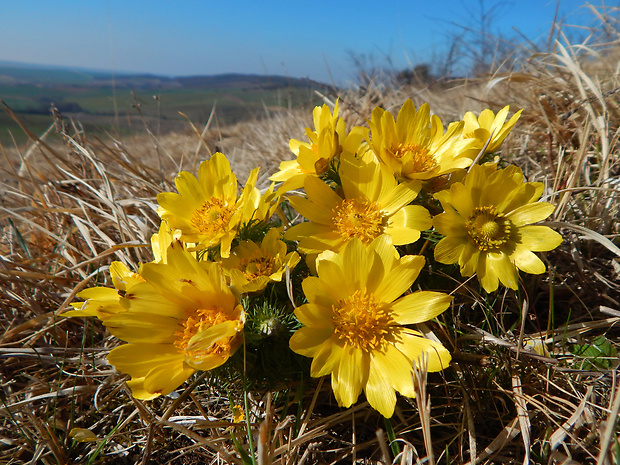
(296, 38)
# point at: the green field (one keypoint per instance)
(130, 102)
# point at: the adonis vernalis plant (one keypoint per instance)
(226, 259)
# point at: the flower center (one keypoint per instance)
(488, 228)
(212, 217)
(361, 321)
(417, 156)
(358, 218)
(202, 319)
(255, 266)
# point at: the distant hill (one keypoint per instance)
(47, 75)
(126, 100)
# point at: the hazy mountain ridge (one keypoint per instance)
(13, 73)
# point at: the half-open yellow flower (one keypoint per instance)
(488, 125)
(184, 318)
(355, 323)
(102, 302)
(414, 145)
(373, 203)
(328, 140)
(487, 222)
(252, 266)
(207, 210)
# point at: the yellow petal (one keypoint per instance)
(190, 190)
(402, 195)
(321, 194)
(400, 278)
(539, 238)
(316, 316)
(327, 358)
(167, 377)
(413, 346)
(530, 213)
(326, 289)
(380, 393)
(138, 359)
(487, 278)
(420, 306)
(138, 391)
(312, 212)
(470, 257)
(140, 327)
(82, 435)
(463, 199)
(449, 250)
(450, 223)
(500, 265)
(396, 367)
(307, 340)
(527, 261)
(414, 218)
(204, 339)
(351, 375)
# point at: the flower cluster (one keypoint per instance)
(364, 197)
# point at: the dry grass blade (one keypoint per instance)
(420, 374)
(573, 422)
(606, 455)
(509, 432)
(524, 419)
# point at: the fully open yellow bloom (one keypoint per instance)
(183, 318)
(252, 266)
(373, 203)
(414, 145)
(487, 223)
(327, 141)
(207, 210)
(355, 323)
(481, 128)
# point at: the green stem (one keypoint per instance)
(392, 437)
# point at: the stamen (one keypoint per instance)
(358, 218)
(256, 265)
(362, 321)
(213, 217)
(488, 228)
(202, 319)
(416, 155)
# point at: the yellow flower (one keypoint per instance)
(161, 240)
(481, 128)
(373, 204)
(184, 318)
(207, 210)
(238, 414)
(251, 267)
(414, 145)
(487, 223)
(102, 302)
(258, 208)
(327, 141)
(354, 323)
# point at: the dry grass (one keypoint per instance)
(68, 209)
